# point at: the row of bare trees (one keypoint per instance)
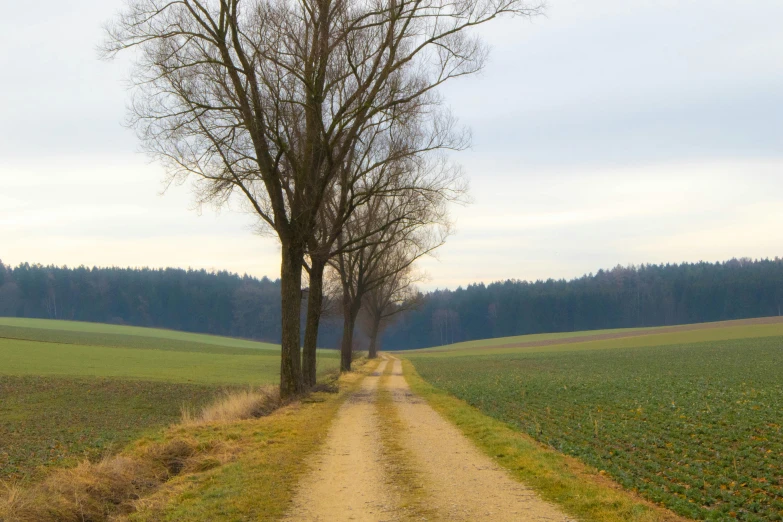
(321, 117)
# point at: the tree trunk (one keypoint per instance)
(376, 327)
(314, 307)
(350, 311)
(291, 302)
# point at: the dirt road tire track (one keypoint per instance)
(347, 480)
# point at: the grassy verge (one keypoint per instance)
(578, 489)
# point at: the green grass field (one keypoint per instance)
(66, 348)
(690, 420)
(519, 339)
(70, 390)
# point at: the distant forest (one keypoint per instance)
(223, 303)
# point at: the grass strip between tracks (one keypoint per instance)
(577, 488)
(398, 461)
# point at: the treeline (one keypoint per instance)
(623, 297)
(223, 303)
(218, 303)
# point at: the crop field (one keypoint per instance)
(41, 347)
(57, 421)
(72, 390)
(692, 424)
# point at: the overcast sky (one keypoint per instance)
(606, 132)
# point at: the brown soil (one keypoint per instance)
(630, 333)
(454, 480)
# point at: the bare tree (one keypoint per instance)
(267, 100)
(381, 166)
(405, 227)
(398, 159)
(396, 293)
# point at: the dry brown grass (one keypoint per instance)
(98, 491)
(113, 486)
(236, 405)
(89, 492)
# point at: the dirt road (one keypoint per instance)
(390, 457)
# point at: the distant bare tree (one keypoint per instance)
(395, 294)
(414, 224)
(268, 100)
(395, 158)
(409, 168)
(445, 322)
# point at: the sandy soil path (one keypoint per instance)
(353, 479)
(348, 480)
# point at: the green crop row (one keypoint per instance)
(694, 427)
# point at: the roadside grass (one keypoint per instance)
(222, 470)
(695, 427)
(235, 405)
(578, 489)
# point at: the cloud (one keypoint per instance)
(564, 223)
(605, 132)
